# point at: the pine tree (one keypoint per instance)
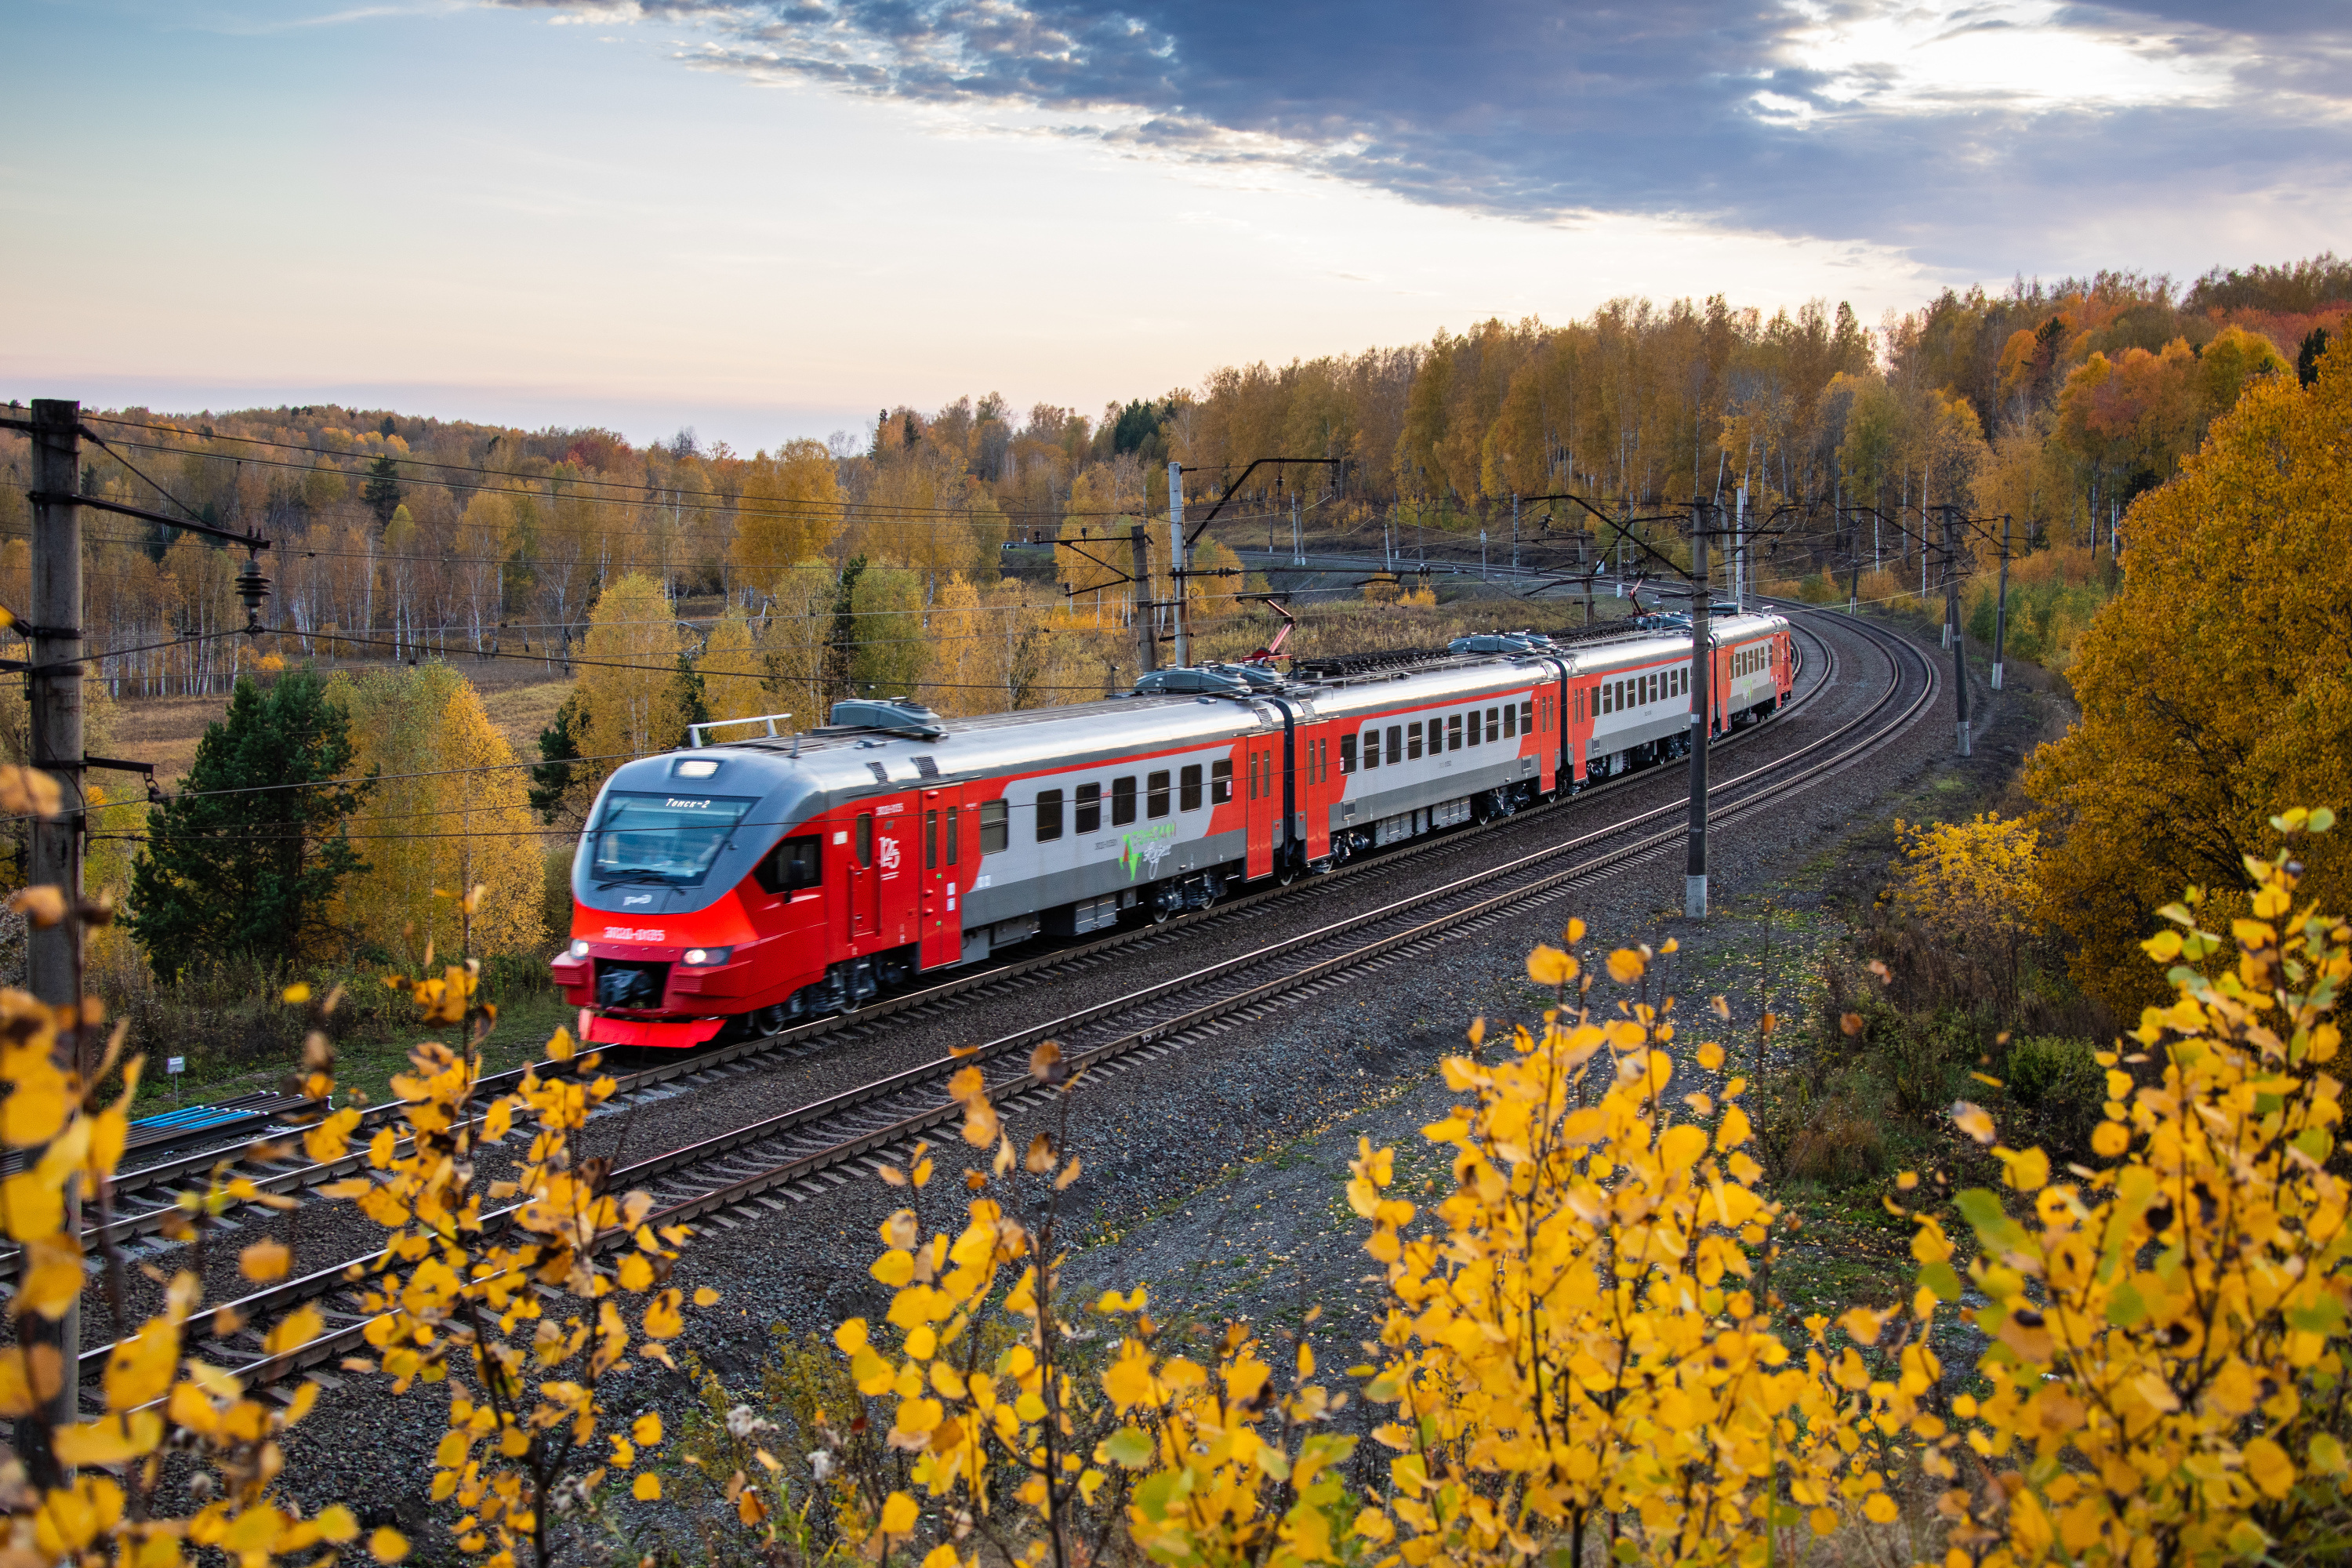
(246, 859)
(559, 746)
(382, 492)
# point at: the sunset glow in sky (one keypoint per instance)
(768, 217)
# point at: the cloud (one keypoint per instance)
(1952, 127)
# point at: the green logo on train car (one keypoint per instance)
(1142, 851)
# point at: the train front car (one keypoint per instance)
(697, 896)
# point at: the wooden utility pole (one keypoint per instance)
(1176, 560)
(53, 955)
(1701, 718)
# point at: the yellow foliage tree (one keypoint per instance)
(733, 682)
(1974, 883)
(629, 678)
(791, 509)
(2214, 687)
(2166, 1373)
(449, 810)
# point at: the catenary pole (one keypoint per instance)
(2001, 607)
(1147, 614)
(1176, 557)
(1952, 627)
(1701, 724)
(53, 955)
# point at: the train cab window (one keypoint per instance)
(1412, 743)
(995, 827)
(1156, 804)
(955, 838)
(1396, 744)
(1049, 816)
(930, 841)
(865, 838)
(1122, 801)
(1346, 754)
(792, 866)
(1187, 788)
(1220, 783)
(1453, 731)
(1091, 808)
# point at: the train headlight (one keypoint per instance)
(699, 955)
(579, 950)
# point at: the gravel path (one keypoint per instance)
(1213, 1172)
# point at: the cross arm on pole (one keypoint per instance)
(250, 540)
(1235, 489)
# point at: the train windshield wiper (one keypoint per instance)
(634, 874)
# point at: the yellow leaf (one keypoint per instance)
(265, 1261)
(637, 1275)
(646, 1431)
(2029, 1172)
(44, 906)
(1879, 1509)
(1625, 966)
(2269, 1467)
(138, 1369)
(704, 1296)
(298, 992)
(1710, 1055)
(28, 1380)
(647, 1487)
(663, 1321)
(1972, 1120)
(1550, 967)
(898, 1514)
(55, 1279)
(2109, 1139)
(336, 1523)
(1735, 1130)
(111, 1441)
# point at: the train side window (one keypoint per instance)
(866, 838)
(1049, 814)
(1122, 801)
(1494, 721)
(792, 866)
(1396, 744)
(1412, 743)
(995, 827)
(1157, 805)
(1475, 729)
(1220, 783)
(1453, 731)
(955, 838)
(1510, 720)
(1091, 808)
(1527, 718)
(1187, 788)
(930, 841)
(1346, 754)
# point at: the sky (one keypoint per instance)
(768, 218)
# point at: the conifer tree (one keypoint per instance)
(246, 859)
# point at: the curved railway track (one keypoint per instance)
(809, 1150)
(145, 1197)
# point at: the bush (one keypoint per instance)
(2053, 1073)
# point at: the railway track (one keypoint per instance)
(807, 1150)
(146, 1196)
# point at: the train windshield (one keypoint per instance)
(665, 838)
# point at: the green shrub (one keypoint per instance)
(2051, 1073)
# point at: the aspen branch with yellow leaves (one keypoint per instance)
(519, 1309)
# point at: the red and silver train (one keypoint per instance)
(736, 887)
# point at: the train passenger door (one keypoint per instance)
(1264, 803)
(861, 879)
(945, 853)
